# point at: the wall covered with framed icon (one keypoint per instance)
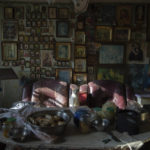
(49, 40)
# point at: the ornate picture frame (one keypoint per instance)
(80, 37)
(63, 51)
(63, 13)
(8, 12)
(103, 34)
(80, 65)
(10, 31)
(52, 12)
(80, 78)
(80, 51)
(122, 34)
(9, 51)
(62, 28)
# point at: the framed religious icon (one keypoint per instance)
(80, 78)
(46, 58)
(62, 29)
(80, 25)
(124, 15)
(103, 34)
(136, 53)
(19, 13)
(10, 31)
(122, 34)
(52, 13)
(111, 54)
(80, 65)
(64, 74)
(80, 51)
(80, 37)
(140, 14)
(63, 51)
(8, 13)
(9, 51)
(63, 13)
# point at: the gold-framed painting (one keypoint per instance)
(80, 65)
(80, 51)
(80, 78)
(124, 16)
(8, 12)
(122, 34)
(9, 51)
(103, 34)
(63, 13)
(80, 37)
(64, 74)
(52, 12)
(63, 51)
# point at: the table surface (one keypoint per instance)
(73, 139)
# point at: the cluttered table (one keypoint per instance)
(73, 139)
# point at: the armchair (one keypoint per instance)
(47, 92)
(99, 91)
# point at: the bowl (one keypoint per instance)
(52, 122)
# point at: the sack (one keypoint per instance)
(128, 121)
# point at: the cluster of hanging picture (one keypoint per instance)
(108, 41)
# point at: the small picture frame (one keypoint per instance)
(80, 25)
(136, 53)
(63, 13)
(124, 15)
(103, 34)
(80, 78)
(140, 14)
(19, 12)
(46, 58)
(9, 51)
(80, 65)
(8, 12)
(80, 37)
(52, 13)
(80, 51)
(10, 31)
(62, 28)
(64, 74)
(122, 34)
(27, 64)
(63, 51)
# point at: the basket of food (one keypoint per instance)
(52, 122)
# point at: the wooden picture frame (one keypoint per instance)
(9, 51)
(52, 12)
(80, 51)
(124, 15)
(80, 25)
(122, 34)
(63, 13)
(8, 12)
(46, 58)
(103, 34)
(136, 53)
(112, 54)
(19, 13)
(80, 37)
(140, 14)
(63, 51)
(62, 28)
(80, 65)
(10, 31)
(64, 74)
(80, 78)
